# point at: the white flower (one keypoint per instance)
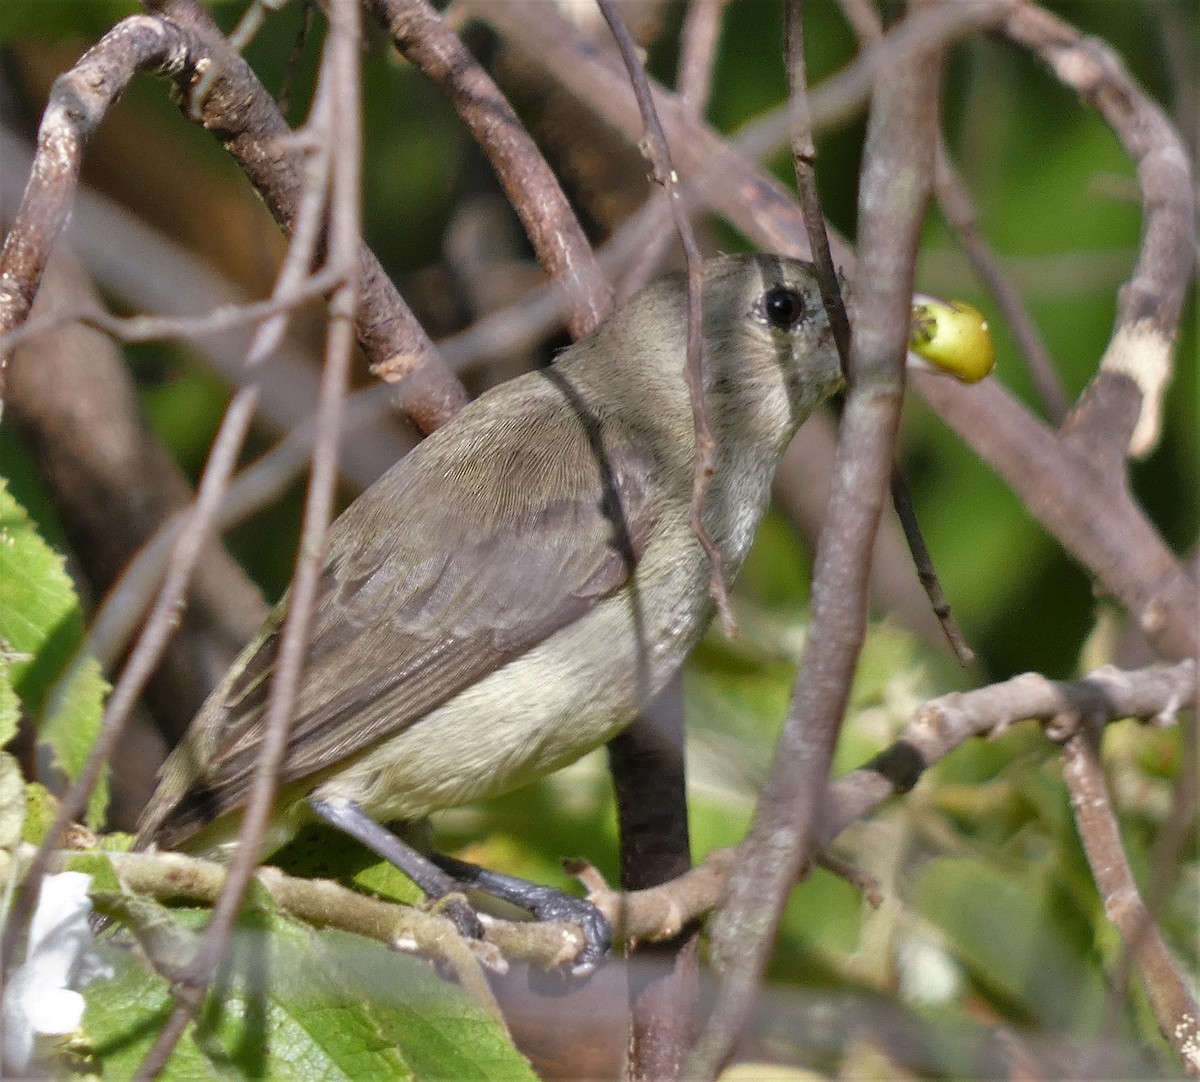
(42, 996)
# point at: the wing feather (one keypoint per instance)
(439, 574)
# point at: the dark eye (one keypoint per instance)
(781, 308)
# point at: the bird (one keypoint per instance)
(511, 593)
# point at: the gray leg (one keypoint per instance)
(545, 903)
(352, 820)
(440, 875)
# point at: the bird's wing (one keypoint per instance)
(423, 594)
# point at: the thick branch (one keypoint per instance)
(936, 729)
(897, 175)
(1137, 364)
(532, 188)
(238, 109)
(78, 102)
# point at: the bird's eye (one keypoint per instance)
(781, 308)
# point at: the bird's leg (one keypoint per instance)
(439, 875)
(545, 903)
(350, 819)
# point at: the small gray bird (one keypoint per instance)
(510, 594)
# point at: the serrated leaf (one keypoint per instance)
(166, 941)
(292, 1003)
(42, 631)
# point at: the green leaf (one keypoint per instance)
(60, 688)
(292, 1003)
(96, 864)
(320, 852)
(1010, 929)
(12, 802)
(10, 706)
(41, 807)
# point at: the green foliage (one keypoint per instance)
(43, 660)
(294, 1003)
(319, 852)
(12, 806)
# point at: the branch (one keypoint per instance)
(1173, 1003)
(897, 175)
(532, 188)
(78, 102)
(647, 760)
(804, 154)
(1136, 366)
(653, 145)
(337, 125)
(243, 115)
(936, 729)
(174, 877)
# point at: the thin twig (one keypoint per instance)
(337, 111)
(653, 145)
(697, 57)
(301, 252)
(530, 185)
(804, 154)
(647, 760)
(1174, 1006)
(923, 562)
(698, 51)
(240, 111)
(147, 328)
(937, 728)
(955, 203)
(291, 66)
